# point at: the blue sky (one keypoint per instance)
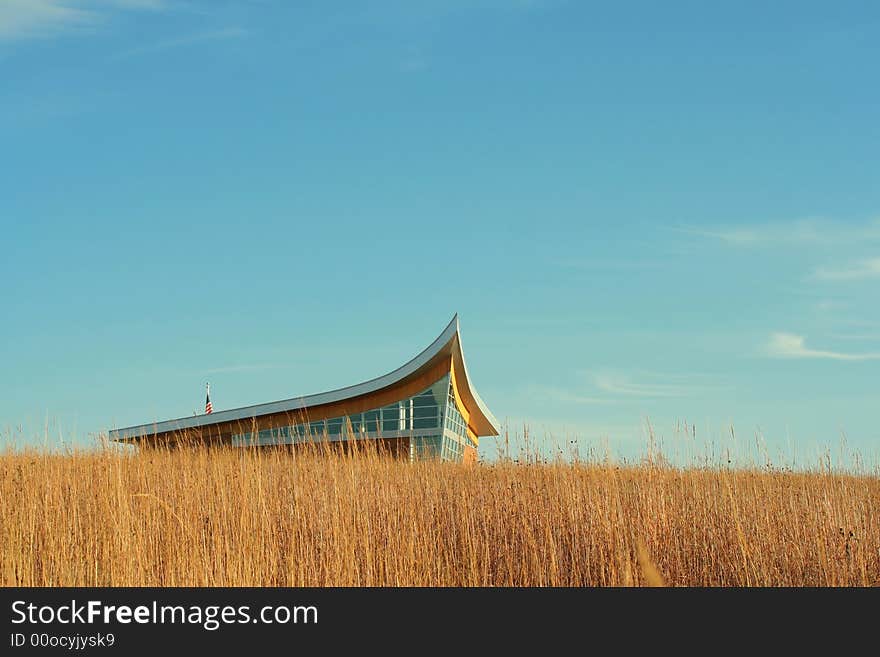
(643, 212)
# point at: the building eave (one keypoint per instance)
(447, 343)
(487, 424)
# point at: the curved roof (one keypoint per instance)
(448, 343)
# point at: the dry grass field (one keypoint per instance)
(197, 517)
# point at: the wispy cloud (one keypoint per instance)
(790, 345)
(240, 368)
(803, 232)
(856, 271)
(830, 305)
(186, 40)
(622, 385)
(607, 387)
(138, 4)
(413, 64)
(29, 19)
(862, 323)
(568, 396)
(595, 264)
(860, 337)
(25, 19)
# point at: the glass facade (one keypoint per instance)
(430, 420)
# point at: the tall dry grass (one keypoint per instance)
(233, 517)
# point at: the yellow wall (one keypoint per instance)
(465, 413)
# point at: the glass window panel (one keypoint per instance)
(432, 409)
(427, 447)
(425, 411)
(424, 399)
(391, 418)
(440, 390)
(425, 423)
(371, 421)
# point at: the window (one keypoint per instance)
(426, 417)
(426, 447)
(355, 420)
(432, 410)
(392, 418)
(371, 421)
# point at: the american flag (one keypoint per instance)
(208, 408)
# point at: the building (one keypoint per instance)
(425, 409)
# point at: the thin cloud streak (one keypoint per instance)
(33, 19)
(857, 271)
(863, 337)
(790, 345)
(614, 388)
(589, 264)
(240, 368)
(617, 385)
(802, 232)
(188, 40)
(139, 4)
(413, 64)
(28, 19)
(567, 396)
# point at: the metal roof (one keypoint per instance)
(448, 341)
